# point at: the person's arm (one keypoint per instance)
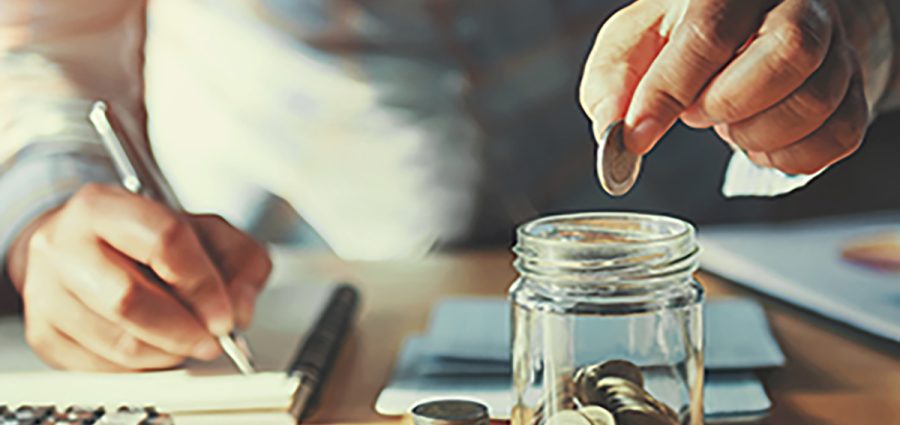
(891, 98)
(56, 57)
(73, 250)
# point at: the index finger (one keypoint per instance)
(152, 234)
(701, 43)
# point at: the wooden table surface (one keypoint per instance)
(834, 375)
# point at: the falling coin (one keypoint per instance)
(617, 167)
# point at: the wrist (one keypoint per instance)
(870, 32)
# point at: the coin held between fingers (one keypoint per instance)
(617, 167)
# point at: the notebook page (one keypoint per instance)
(285, 311)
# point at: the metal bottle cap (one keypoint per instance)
(450, 412)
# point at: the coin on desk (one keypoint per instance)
(450, 412)
(617, 167)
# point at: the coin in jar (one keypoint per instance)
(598, 415)
(617, 167)
(622, 369)
(643, 415)
(567, 417)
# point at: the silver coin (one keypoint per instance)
(617, 167)
(598, 415)
(450, 412)
(567, 417)
(622, 369)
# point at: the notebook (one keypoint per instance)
(200, 393)
(802, 263)
(465, 353)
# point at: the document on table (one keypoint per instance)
(470, 335)
(284, 313)
(801, 262)
(466, 353)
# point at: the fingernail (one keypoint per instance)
(643, 135)
(246, 302)
(207, 349)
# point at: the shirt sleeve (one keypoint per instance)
(56, 58)
(891, 98)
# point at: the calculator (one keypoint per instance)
(82, 415)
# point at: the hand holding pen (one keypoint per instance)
(89, 304)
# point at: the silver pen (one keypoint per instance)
(139, 175)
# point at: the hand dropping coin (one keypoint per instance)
(617, 167)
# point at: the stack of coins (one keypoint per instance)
(609, 393)
(618, 386)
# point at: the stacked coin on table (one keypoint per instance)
(609, 393)
(451, 412)
(76, 415)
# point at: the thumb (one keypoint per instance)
(624, 50)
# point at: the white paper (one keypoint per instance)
(744, 178)
(284, 312)
(801, 263)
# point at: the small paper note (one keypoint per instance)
(744, 178)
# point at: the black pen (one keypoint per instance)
(317, 353)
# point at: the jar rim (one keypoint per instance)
(606, 246)
(525, 231)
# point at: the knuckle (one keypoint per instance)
(670, 98)
(127, 299)
(712, 35)
(41, 242)
(262, 263)
(127, 347)
(172, 230)
(721, 107)
(816, 101)
(802, 46)
(86, 198)
(852, 123)
(36, 336)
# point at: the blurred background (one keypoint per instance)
(377, 128)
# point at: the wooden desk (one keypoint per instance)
(834, 375)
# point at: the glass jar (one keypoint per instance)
(607, 321)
